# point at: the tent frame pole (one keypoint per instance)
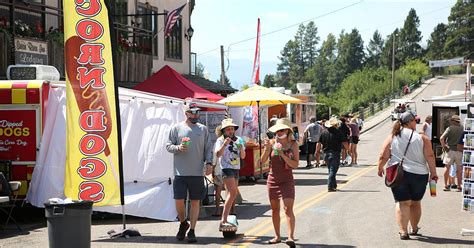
(259, 139)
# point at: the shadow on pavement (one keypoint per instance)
(361, 191)
(314, 173)
(245, 211)
(313, 182)
(13, 232)
(443, 241)
(262, 240)
(28, 218)
(171, 240)
(103, 218)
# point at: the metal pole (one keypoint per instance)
(123, 218)
(259, 139)
(469, 83)
(222, 66)
(189, 41)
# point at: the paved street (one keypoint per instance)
(361, 214)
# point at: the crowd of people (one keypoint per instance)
(349, 127)
(191, 145)
(334, 140)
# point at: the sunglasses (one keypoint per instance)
(196, 112)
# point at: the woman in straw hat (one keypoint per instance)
(284, 156)
(230, 150)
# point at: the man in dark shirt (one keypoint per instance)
(332, 139)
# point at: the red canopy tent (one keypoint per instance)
(169, 82)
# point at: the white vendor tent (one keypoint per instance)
(147, 166)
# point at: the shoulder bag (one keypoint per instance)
(394, 173)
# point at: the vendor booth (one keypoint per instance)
(148, 168)
(253, 98)
(168, 82)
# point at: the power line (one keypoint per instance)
(287, 27)
(401, 20)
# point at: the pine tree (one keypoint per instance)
(386, 56)
(226, 81)
(310, 41)
(269, 80)
(460, 40)
(374, 50)
(299, 52)
(200, 70)
(324, 67)
(410, 38)
(436, 42)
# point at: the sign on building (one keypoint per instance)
(31, 51)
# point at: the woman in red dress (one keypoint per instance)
(283, 152)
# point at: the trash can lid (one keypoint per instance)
(71, 205)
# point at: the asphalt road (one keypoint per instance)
(361, 214)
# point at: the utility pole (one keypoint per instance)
(393, 59)
(222, 66)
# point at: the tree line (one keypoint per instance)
(346, 74)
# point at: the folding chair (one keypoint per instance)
(8, 198)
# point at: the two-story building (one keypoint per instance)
(31, 32)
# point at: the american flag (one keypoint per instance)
(171, 19)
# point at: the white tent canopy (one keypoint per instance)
(148, 168)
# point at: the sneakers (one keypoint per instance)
(309, 165)
(191, 236)
(183, 227)
(332, 190)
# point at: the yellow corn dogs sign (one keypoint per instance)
(92, 160)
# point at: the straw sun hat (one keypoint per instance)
(281, 124)
(332, 122)
(228, 123)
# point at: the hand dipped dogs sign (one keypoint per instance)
(92, 160)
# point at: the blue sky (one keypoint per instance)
(226, 22)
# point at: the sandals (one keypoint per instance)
(273, 241)
(414, 232)
(290, 243)
(447, 188)
(404, 236)
(227, 227)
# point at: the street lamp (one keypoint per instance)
(189, 33)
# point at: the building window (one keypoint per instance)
(29, 21)
(147, 40)
(120, 9)
(174, 42)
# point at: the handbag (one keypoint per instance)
(394, 173)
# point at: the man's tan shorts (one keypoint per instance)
(452, 157)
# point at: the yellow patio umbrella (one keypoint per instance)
(258, 95)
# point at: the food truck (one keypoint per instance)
(23, 101)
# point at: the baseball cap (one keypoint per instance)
(407, 116)
(192, 108)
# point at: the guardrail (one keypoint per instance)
(374, 108)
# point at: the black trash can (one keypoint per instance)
(69, 225)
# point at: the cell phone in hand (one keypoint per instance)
(270, 135)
